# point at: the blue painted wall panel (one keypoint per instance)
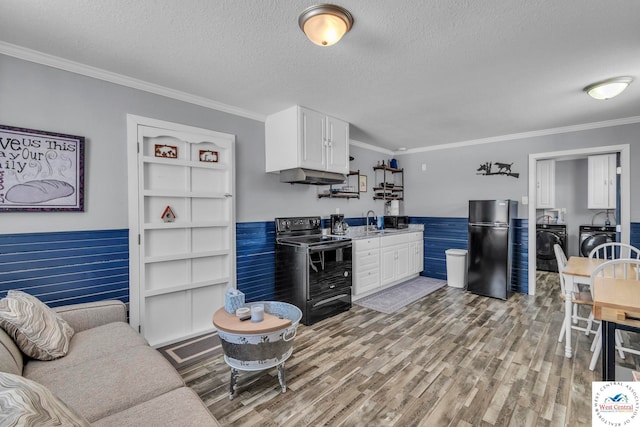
(66, 267)
(83, 266)
(441, 234)
(255, 260)
(635, 234)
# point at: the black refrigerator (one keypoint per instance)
(490, 248)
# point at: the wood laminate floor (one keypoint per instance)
(449, 359)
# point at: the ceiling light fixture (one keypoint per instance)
(325, 24)
(609, 88)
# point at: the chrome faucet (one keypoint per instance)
(374, 220)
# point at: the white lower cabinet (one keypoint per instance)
(384, 261)
(366, 269)
(416, 255)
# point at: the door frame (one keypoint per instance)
(625, 195)
(133, 124)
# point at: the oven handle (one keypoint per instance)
(330, 246)
(327, 301)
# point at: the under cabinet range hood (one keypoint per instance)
(309, 176)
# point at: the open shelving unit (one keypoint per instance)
(391, 187)
(340, 194)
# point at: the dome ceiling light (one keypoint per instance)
(325, 24)
(609, 88)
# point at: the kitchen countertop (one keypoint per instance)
(357, 233)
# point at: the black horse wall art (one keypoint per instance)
(487, 168)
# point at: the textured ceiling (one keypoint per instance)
(410, 73)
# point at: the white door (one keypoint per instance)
(179, 267)
(402, 261)
(601, 182)
(387, 265)
(546, 184)
(338, 146)
(415, 257)
(312, 128)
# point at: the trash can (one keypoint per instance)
(456, 267)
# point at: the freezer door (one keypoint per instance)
(489, 211)
(489, 267)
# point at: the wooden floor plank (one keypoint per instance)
(449, 359)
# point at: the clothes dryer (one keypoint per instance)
(548, 235)
(595, 235)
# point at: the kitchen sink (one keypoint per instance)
(381, 232)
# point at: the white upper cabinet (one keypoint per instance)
(601, 181)
(545, 184)
(337, 145)
(299, 137)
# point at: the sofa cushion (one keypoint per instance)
(100, 387)
(90, 344)
(36, 329)
(181, 407)
(27, 403)
(11, 360)
(88, 315)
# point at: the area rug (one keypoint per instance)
(190, 351)
(394, 298)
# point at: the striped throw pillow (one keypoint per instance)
(37, 330)
(27, 403)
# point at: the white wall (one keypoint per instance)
(39, 97)
(451, 178)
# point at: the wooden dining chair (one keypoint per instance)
(627, 269)
(614, 250)
(579, 298)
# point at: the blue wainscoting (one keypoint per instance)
(83, 266)
(255, 260)
(520, 258)
(441, 234)
(67, 267)
(634, 239)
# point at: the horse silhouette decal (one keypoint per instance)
(486, 168)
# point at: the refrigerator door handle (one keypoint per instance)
(494, 225)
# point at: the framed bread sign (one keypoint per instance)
(40, 171)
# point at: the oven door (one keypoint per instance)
(329, 269)
(327, 306)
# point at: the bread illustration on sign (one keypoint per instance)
(38, 191)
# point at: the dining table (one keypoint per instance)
(616, 303)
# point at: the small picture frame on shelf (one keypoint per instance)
(209, 156)
(362, 183)
(166, 151)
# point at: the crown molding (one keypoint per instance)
(523, 135)
(122, 80)
(370, 147)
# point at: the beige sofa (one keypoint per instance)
(110, 375)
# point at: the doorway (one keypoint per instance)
(624, 193)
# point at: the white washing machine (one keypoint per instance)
(595, 235)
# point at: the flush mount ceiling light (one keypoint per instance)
(325, 24)
(609, 88)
